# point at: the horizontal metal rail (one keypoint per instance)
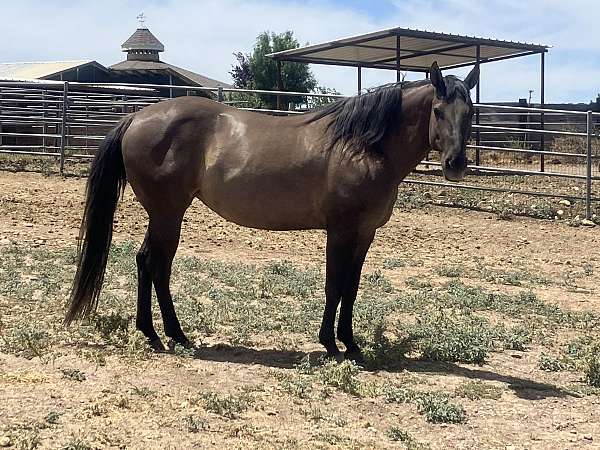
(528, 151)
(529, 130)
(538, 110)
(496, 189)
(515, 171)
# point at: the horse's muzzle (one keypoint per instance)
(454, 167)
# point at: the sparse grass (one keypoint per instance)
(194, 424)
(226, 405)
(313, 413)
(395, 263)
(297, 386)
(111, 325)
(73, 375)
(52, 417)
(399, 435)
(142, 391)
(331, 438)
(478, 390)
(24, 339)
(378, 282)
(76, 443)
(449, 271)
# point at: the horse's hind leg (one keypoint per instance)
(339, 250)
(163, 239)
(144, 300)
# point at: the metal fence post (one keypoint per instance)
(1, 143)
(588, 175)
(63, 128)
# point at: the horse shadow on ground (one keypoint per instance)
(284, 359)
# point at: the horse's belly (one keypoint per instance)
(271, 203)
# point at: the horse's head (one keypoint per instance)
(450, 122)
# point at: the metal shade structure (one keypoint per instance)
(410, 50)
(414, 51)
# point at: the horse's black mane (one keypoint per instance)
(362, 121)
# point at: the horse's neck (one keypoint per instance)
(410, 143)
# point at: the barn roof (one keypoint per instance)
(41, 69)
(417, 50)
(142, 39)
(158, 66)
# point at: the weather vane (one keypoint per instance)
(141, 19)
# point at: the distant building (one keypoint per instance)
(142, 66)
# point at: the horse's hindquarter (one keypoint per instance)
(265, 172)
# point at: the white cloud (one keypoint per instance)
(201, 35)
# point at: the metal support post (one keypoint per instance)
(477, 100)
(63, 128)
(398, 56)
(542, 103)
(220, 94)
(279, 85)
(1, 117)
(359, 74)
(44, 122)
(588, 174)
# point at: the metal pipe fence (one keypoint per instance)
(558, 149)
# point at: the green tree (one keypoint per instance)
(295, 76)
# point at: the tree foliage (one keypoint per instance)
(241, 73)
(258, 71)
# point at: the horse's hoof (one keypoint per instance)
(355, 356)
(185, 343)
(337, 357)
(157, 345)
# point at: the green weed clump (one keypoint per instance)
(451, 336)
(342, 376)
(591, 366)
(437, 408)
(549, 363)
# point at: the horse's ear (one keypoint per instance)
(473, 77)
(437, 80)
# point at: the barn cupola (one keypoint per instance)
(142, 45)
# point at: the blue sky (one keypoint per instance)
(202, 35)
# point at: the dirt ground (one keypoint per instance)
(160, 400)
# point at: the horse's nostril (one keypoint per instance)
(457, 162)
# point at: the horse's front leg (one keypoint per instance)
(350, 288)
(346, 252)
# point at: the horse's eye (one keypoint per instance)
(439, 115)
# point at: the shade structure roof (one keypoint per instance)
(411, 50)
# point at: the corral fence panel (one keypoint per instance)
(514, 149)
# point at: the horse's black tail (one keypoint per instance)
(105, 186)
